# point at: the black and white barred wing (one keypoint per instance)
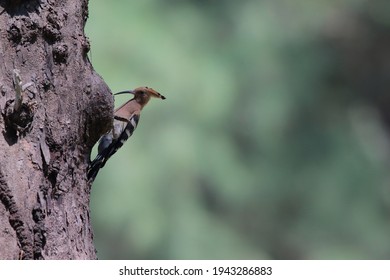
(111, 142)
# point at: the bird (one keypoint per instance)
(126, 118)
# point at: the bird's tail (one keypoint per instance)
(100, 161)
(95, 166)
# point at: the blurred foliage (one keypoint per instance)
(273, 141)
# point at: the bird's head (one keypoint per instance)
(143, 94)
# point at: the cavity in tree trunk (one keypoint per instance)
(54, 107)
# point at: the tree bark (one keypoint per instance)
(48, 132)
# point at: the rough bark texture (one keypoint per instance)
(46, 139)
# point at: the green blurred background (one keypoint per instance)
(273, 142)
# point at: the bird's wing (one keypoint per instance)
(109, 150)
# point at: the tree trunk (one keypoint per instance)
(53, 109)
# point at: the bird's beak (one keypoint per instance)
(126, 91)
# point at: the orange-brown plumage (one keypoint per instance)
(141, 97)
(126, 118)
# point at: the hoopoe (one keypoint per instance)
(126, 119)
